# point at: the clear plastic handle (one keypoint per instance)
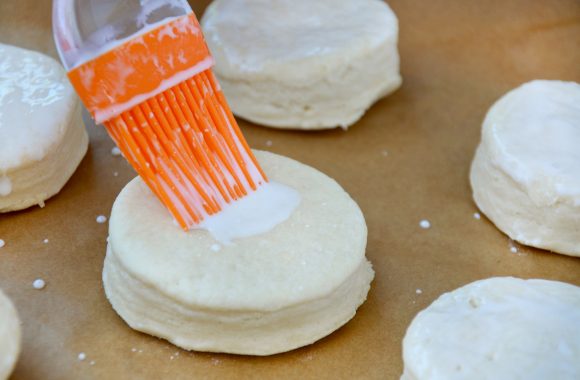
(84, 29)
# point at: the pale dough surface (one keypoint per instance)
(9, 336)
(262, 295)
(526, 172)
(498, 328)
(42, 136)
(300, 63)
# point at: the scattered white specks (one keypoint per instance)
(269, 143)
(115, 174)
(82, 356)
(418, 291)
(92, 362)
(384, 152)
(425, 224)
(514, 248)
(2, 243)
(216, 247)
(45, 241)
(38, 284)
(116, 151)
(101, 219)
(477, 216)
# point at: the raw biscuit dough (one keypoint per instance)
(262, 295)
(42, 136)
(526, 172)
(9, 336)
(498, 328)
(300, 63)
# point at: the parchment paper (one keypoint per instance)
(406, 160)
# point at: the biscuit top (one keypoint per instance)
(497, 328)
(257, 35)
(36, 103)
(533, 133)
(306, 257)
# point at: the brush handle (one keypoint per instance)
(85, 29)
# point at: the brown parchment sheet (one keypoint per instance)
(406, 160)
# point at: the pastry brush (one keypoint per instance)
(143, 69)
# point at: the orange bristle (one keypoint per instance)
(183, 140)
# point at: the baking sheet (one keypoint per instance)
(406, 160)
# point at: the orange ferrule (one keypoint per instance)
(141, 68)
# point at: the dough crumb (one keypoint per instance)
(101, 219)
(513, 247)
(38, 284)
(477, 216)
(82, 356)
(2, 243)
(425, 224)
(116, 151)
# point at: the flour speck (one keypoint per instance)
(418, 291)
(2, 243)
(82, 356)
(116, 151)
(38, 284)
(425, 224)
(101, 219)
(269, 143)
(477, 216)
